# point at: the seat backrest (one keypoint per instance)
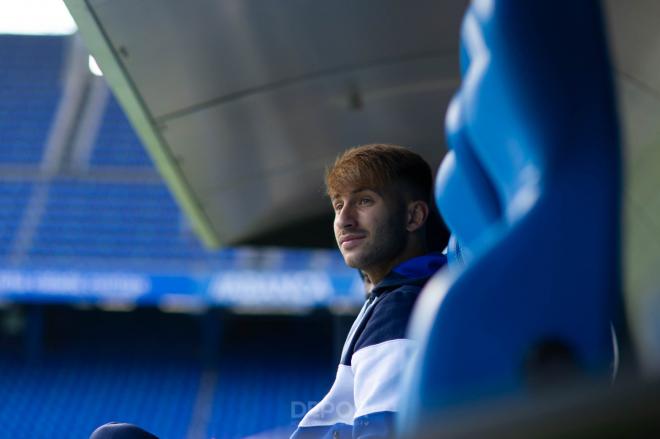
(531, 191)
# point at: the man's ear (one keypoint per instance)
(418, 212)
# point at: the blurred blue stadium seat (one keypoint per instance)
(100, 367)
(13, 198)
(145, 368)
(116, 142)
(69, 396)
(253, 396)
(531, 191)
(120, 220)
(30, 88)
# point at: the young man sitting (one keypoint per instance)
(381, 196)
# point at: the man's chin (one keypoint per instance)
(351, 264)
(353, 261)
(348, 259)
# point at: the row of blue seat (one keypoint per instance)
(30, 89)
(153, 383)
(13, 200)
(70, 397)
(116, 142)
(80, 218)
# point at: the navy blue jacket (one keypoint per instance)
(365, 395)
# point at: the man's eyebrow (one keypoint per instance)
(353, 192)
(364, 189)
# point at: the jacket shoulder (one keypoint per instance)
(390, 316)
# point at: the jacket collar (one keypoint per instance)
(415, 271)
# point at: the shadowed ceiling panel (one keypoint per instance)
(243, 103)
(305, 124)
(184, 54)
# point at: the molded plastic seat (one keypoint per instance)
(531, 191)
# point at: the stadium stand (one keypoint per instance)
(113, 369)
(67, 396)
(254, 396)
(69, 366)
(112, 220)
(13, 198)
(29, 93)
(145, 367)
(116, 143)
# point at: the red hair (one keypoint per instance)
(378, 167)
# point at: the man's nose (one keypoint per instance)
(346, 217)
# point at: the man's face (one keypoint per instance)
(370, 227)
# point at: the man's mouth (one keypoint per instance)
(350, 241)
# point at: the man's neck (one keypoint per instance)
(378, 273)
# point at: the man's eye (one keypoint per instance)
(338, 206)
(365, 201)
